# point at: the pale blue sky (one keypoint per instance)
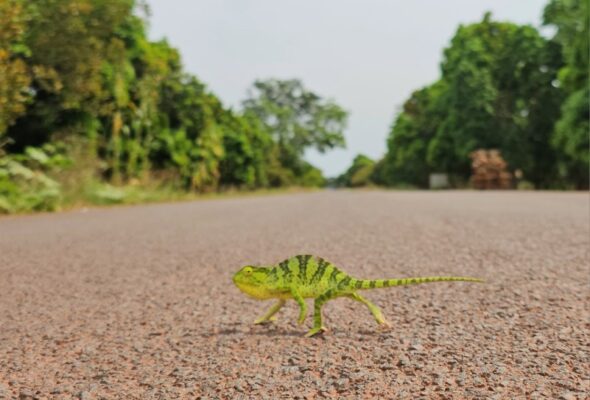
(367, 55)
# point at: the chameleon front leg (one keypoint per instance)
(372, 307)
(317, 313)
(269, 316)
(302, 306)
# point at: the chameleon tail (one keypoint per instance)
(382, 283)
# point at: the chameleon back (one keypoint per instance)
(311, 275)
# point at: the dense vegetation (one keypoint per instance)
(87, 99)
(502, 86)
(92, 110)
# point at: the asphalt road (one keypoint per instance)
(137, 302)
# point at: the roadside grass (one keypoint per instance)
(104, 194)
(44, 180)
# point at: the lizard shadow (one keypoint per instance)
(267, 333)
(287, 333)
(375, 333)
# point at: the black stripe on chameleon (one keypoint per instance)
(285, 267)
(303, 261)
(319, 273)
(344, 282)
(335, 272)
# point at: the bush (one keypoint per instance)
(525, 185)
(24, 183)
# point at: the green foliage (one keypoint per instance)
(413, 139)
(15, 76)
(572, 20)
(570, 137)
(247, 145)
(297, 119)
(67, 43)
(24, 181)
(310, 177)
(496, 91)
(360, 173)
(499, 79)
(362, 177)
(84, 71)
(525, 185)
(107, 194)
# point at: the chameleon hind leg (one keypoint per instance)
(269, 316)
(376, 311)
(317, 312)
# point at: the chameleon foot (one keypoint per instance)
(383, 323)
(315, 331)
(262, 320)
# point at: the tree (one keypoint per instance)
(358, 174)
(191, 135)
(415, 127)
(247, 146)
(66, 42)
(499, 80)
(496, 91)
(15, 76)
(570, 137)
(297, 119)
(84, 74)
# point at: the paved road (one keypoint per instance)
(137, 302)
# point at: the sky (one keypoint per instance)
(366, 55)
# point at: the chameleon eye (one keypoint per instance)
(248, 270)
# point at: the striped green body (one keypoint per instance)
(306, 276)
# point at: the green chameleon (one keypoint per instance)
(306, 276)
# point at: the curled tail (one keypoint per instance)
(382, 283)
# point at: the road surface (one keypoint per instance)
(138, 303)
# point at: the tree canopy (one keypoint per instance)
(297, 119)
(358, 174)
(85, 71)
(500, 88)
(570, 138)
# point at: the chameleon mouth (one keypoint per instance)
(243, 286)
(250, 290)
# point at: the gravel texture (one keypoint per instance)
(138, 303)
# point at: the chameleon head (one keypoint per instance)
(252, 281)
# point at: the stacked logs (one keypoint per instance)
(489, 170)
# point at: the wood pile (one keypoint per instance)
(489, 170)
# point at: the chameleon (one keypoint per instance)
(307, 276)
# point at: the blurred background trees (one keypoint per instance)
(359, 174)
(503, 86)
(83, 74)
(570, 137)
(297, 119)
(83, 89)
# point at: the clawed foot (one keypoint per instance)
(315, 331)
(384, 324)
(262, 320)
